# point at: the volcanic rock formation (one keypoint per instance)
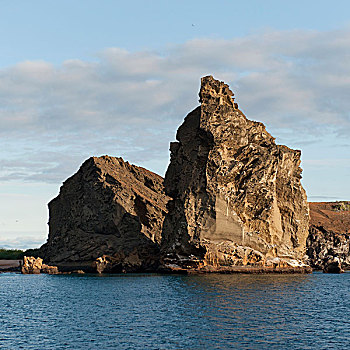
(236, 195)
(109, 207)
(329, 237)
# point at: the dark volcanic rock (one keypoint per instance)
(236, 195)
(333, 265)
(109, 207)
(329, 236)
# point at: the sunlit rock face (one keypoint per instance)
(236, 195)
(109, 207)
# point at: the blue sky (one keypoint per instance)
(81, 78)
(59, 30)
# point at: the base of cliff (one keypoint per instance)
(236, 270)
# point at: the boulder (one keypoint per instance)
(32, 265)
(108, 264)
(51, 270)
(236, 196)
(109, 207)
(102, 263)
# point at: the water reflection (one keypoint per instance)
(264, 310)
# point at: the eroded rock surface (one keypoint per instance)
(109, 207)
(333, 265)
(329, 236)
(32, 265)
(236, 195)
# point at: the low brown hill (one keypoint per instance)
(332, 216)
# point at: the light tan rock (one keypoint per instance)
(51, 270)
(122, 262)
(236, 195)
(32, 265)
(101, 264)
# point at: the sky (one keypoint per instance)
(87, 78)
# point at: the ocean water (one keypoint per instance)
(137, 311)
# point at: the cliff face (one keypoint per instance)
(329, 236)
(109, 207)
(236, 195)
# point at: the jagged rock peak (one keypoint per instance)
(236, 195)
(216, 92)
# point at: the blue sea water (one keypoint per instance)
(137, 311)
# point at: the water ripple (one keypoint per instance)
(175, 312)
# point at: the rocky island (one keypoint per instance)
(231, 201)
(110, 210)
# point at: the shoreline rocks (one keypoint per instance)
(32, 265)
(333, 265)
(237, 270)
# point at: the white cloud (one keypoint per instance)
(130, 103)
(22, 242)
